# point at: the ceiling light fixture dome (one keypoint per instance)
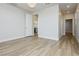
(32, 5)
(68, 6)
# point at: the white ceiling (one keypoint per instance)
(40, 6)
(70, 10)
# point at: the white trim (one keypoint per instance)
(64, 26)
(11, 39)
(73, 24)
(48, 37)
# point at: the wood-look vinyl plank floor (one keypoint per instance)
(34, 46)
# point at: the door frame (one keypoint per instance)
(28, 25)
(72, 26)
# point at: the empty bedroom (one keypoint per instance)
(39, 29)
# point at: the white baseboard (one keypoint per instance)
(3, 40)
(48, 37)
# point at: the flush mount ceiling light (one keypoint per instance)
(68, 6)
(31, 5)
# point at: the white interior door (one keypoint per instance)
(28, 25)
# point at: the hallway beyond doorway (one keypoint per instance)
(69, 26)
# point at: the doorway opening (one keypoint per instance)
(35, 25)
(69, 27)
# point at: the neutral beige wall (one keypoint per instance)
(77, 23)
(61, 24)
(69, 16)
(48, 23)
(12, 22)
